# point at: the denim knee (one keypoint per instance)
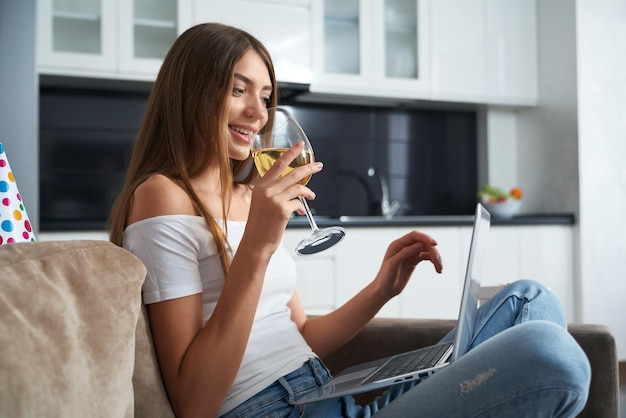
(530, 289)
(556, 357)
(539, 302)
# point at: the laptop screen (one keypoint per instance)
(471, 287)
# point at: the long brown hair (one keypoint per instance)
(185, 124)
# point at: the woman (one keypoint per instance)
(231, 336)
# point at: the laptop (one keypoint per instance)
(423, 362)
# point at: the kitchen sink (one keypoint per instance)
(406, 220)
(382, 221)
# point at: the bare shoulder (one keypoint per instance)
(157, 196)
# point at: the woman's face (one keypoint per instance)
(247, 107)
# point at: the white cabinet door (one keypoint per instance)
(77, 37)
(402, 69)
(316, 274)
(484, 51)
(511, 41)
(147, 29)
(359, 257)
(543, 253)
(370, 47)
(458, 55)
(501, 264)
(283, 27)
(108, 38)
(340, 44)
(428, 294)
(433, 295)
(546, 254)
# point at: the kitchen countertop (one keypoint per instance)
(425, 221)
(367, 221)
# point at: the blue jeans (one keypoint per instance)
(522, 363)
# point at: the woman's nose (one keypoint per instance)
(256, 109)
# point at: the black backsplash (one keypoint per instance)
(85, 139)
(428, 157)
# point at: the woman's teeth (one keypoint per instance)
(245, 132)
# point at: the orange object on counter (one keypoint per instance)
(516, 192)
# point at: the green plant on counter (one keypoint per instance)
(492, 194)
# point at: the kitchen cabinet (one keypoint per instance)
(430, 296)
(108, 39)
(484, 51)
(511, 42)
(284, 27)
(147, 30)
(326, 280)
(370, 47)
(539, 252)
(458, 53)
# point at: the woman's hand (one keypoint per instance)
(401, 258)
(327, 333)
(274, 198)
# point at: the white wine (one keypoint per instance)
(264, 158)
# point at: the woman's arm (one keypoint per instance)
(199, 363)
(327, 333)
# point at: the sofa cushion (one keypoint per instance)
(68, 316)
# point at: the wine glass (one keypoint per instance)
(281, 132)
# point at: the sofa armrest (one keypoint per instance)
(387, 336)
(601, 349)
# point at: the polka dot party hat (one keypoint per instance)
(14, 223)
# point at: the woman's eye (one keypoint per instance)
(237, 91)
(267, 101)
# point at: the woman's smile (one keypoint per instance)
(243, 133)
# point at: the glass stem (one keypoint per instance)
(309, 216)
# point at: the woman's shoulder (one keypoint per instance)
(158, 196)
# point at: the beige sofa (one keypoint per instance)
(75, 342)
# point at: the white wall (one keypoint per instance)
(536, 148)
(601, 38)
(571, 149)
(547, 147)
(501, 134)
(19, 121)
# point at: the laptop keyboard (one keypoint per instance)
(412, 361)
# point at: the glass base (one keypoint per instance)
(320, 240)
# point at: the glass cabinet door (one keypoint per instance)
(77, 26)
(78, 34)
(342, 37)
(406, 44)
(401, 48)
(155, 25)
(371, 47)
(148, 28)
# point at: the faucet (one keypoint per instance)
(387, 209)
(363, 182)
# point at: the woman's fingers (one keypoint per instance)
(433, 255)
(416, 247)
